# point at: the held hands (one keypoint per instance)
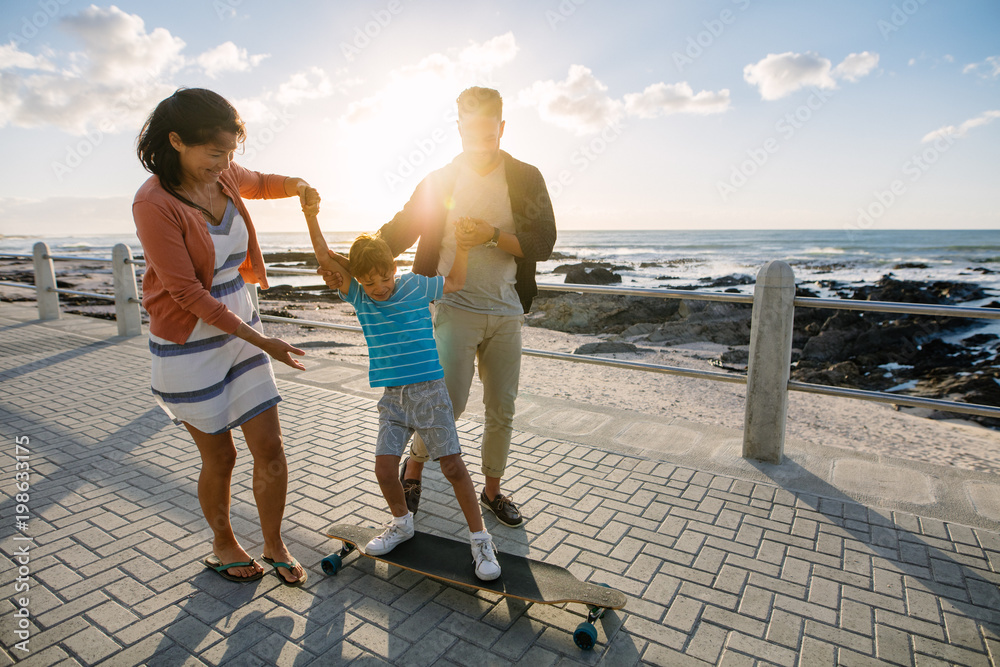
(309, 198)
(334, 279)
(470, 232)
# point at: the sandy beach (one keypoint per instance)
(853, 424)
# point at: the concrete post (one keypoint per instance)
(45, 278)
(770, 362)
(127, 311)
(253, 289)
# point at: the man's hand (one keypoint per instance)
(334, 279)
(470, 232)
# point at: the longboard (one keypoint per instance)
(451, 561)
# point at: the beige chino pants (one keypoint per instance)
(463, 338)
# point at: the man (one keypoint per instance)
(507, 217)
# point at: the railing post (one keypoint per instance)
(253, 289)
(45, 278)
(127, 311)
(770, 361)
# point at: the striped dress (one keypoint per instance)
(216, 381)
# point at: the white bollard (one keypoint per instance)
(252, 288)
(127, 311)
(770, 363)
(45, 281)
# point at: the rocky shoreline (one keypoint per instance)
(872, 351)
(927, 356)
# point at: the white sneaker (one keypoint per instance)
(393, 535)
(484, 555)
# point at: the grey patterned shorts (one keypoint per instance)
(423, 407)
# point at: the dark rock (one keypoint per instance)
(599, 276)
(980, 339)
(649, 265)
(983, 270)
(667, 277)
(729, 281)
(605, 347)
(911, 265)
(599, 313)
(307, 258)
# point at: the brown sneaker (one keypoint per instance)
(504, 509)
(411, 489)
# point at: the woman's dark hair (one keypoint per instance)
(198, 116)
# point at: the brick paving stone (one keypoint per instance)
(91, 646)
(758, 565)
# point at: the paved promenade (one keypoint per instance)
(724, 561)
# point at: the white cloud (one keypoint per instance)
(435, 77)
(582, 105)
(117, 48)
(228, 57)
(13, 58)
(120, 74)
(662, 99)
(579, 104)
(984, 118)
(856, 66)
(778, 75)
(988, 69)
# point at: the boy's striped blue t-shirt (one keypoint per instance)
(399, 331)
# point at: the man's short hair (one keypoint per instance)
(481, 102)
(370, 252)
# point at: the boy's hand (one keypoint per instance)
(309, 198)
(470, 232)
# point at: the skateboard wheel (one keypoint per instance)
(332, 564)
(585, 636)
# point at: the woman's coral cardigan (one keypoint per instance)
(180, 255)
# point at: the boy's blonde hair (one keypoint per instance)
(370, 252)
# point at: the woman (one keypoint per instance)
(210, 365)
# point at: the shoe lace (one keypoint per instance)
(390, 529)
(485, 550)
(505, 501)
(412, 489)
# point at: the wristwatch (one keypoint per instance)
(492, 243)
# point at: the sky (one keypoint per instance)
(716, 114)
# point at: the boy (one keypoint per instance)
(396, 321)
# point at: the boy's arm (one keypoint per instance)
(322, 252)
(455, 280)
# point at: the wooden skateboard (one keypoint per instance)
(451, 561)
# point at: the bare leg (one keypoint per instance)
(454, 470)
(270, 485)
(386, 467)
(218, 457)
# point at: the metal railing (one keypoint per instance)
(768, 370)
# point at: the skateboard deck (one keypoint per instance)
(451, 561)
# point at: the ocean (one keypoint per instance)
(667, 258)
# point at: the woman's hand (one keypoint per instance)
(309, 198)
(281, 351)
